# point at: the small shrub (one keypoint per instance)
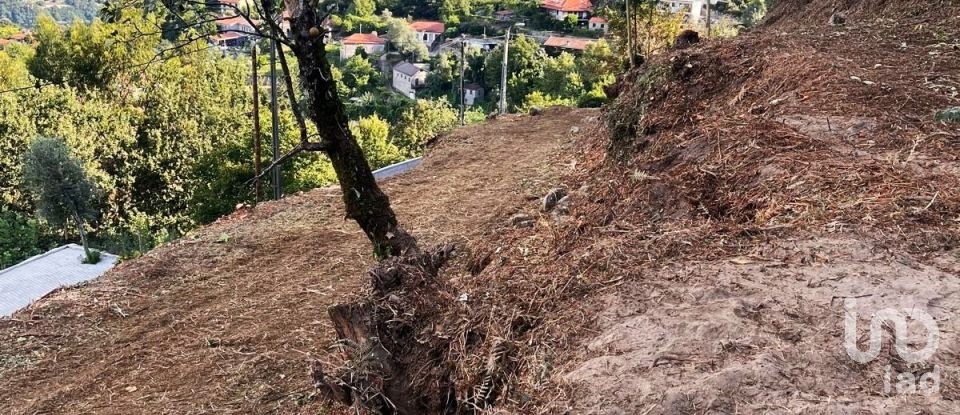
(93, 257)
(949, 115)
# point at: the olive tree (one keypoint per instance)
(62, 189)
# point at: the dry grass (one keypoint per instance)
(229, 319)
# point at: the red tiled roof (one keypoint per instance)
(16, 37)
(226, 36)
(575, 43)
(568, 5)
(363, 39)
(597, 20)
(234, 21)
(20, 36)
(427, 26)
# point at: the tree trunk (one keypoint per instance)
(364, 201)
(83, 235)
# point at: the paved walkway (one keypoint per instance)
(32, 279)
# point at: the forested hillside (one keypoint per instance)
(24, 13)
(165, 131)
(162, 118)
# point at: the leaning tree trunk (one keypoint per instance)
(393, 357)
(83, 232)
(364, 201)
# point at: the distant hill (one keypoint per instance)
(24, 13)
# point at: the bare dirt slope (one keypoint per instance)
(227, 320)
(750, 189)
(734, 198)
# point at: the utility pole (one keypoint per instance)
(503, 71)
(274, 119)
(257, 187)
(463, 65)
(708, 18)
(629, 29)
(503, 74)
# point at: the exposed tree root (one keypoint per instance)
(391, 342)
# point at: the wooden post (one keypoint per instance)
(629, 29)
(257, 187)
(463, 64)
(708, 17)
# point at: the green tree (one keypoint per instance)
(19, 238)
(362, 8)
(525, 67)
(88, 55)
(571, 22)
(63, 191)
(373, 134)
(753, 12)
(538, 99)
(451, 10)
(423, 121)
(444, 71)
(403, 37)
(597, 63)
(560, 77)
(359, 76)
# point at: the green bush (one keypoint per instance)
(949, 115)
(93, 257)
(19, 238)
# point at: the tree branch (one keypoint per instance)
(291, 93)
(304, 146)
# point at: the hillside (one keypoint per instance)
(733, 207)
(228, 319)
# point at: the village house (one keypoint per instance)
(428, 31)
(408, 77)
(472, 94)
(692, 9)
(224, 6)
(482, 43)
(599, 24)
(503, 15)
(576, 44)
(233, 31)
(369, 42)
(559, 9)
(24, 36)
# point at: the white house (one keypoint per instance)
(482, 43)
(559, 9)
(407, 78)
(599, 24)
(369, 42)
(428, 31)
(503, 15)
(472, 93)
(233, 31)
(694, 9)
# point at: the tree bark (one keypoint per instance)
(365, 202)
(83, 235)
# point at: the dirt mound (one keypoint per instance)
(812, 13)
(823, 131)
(744, 193)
